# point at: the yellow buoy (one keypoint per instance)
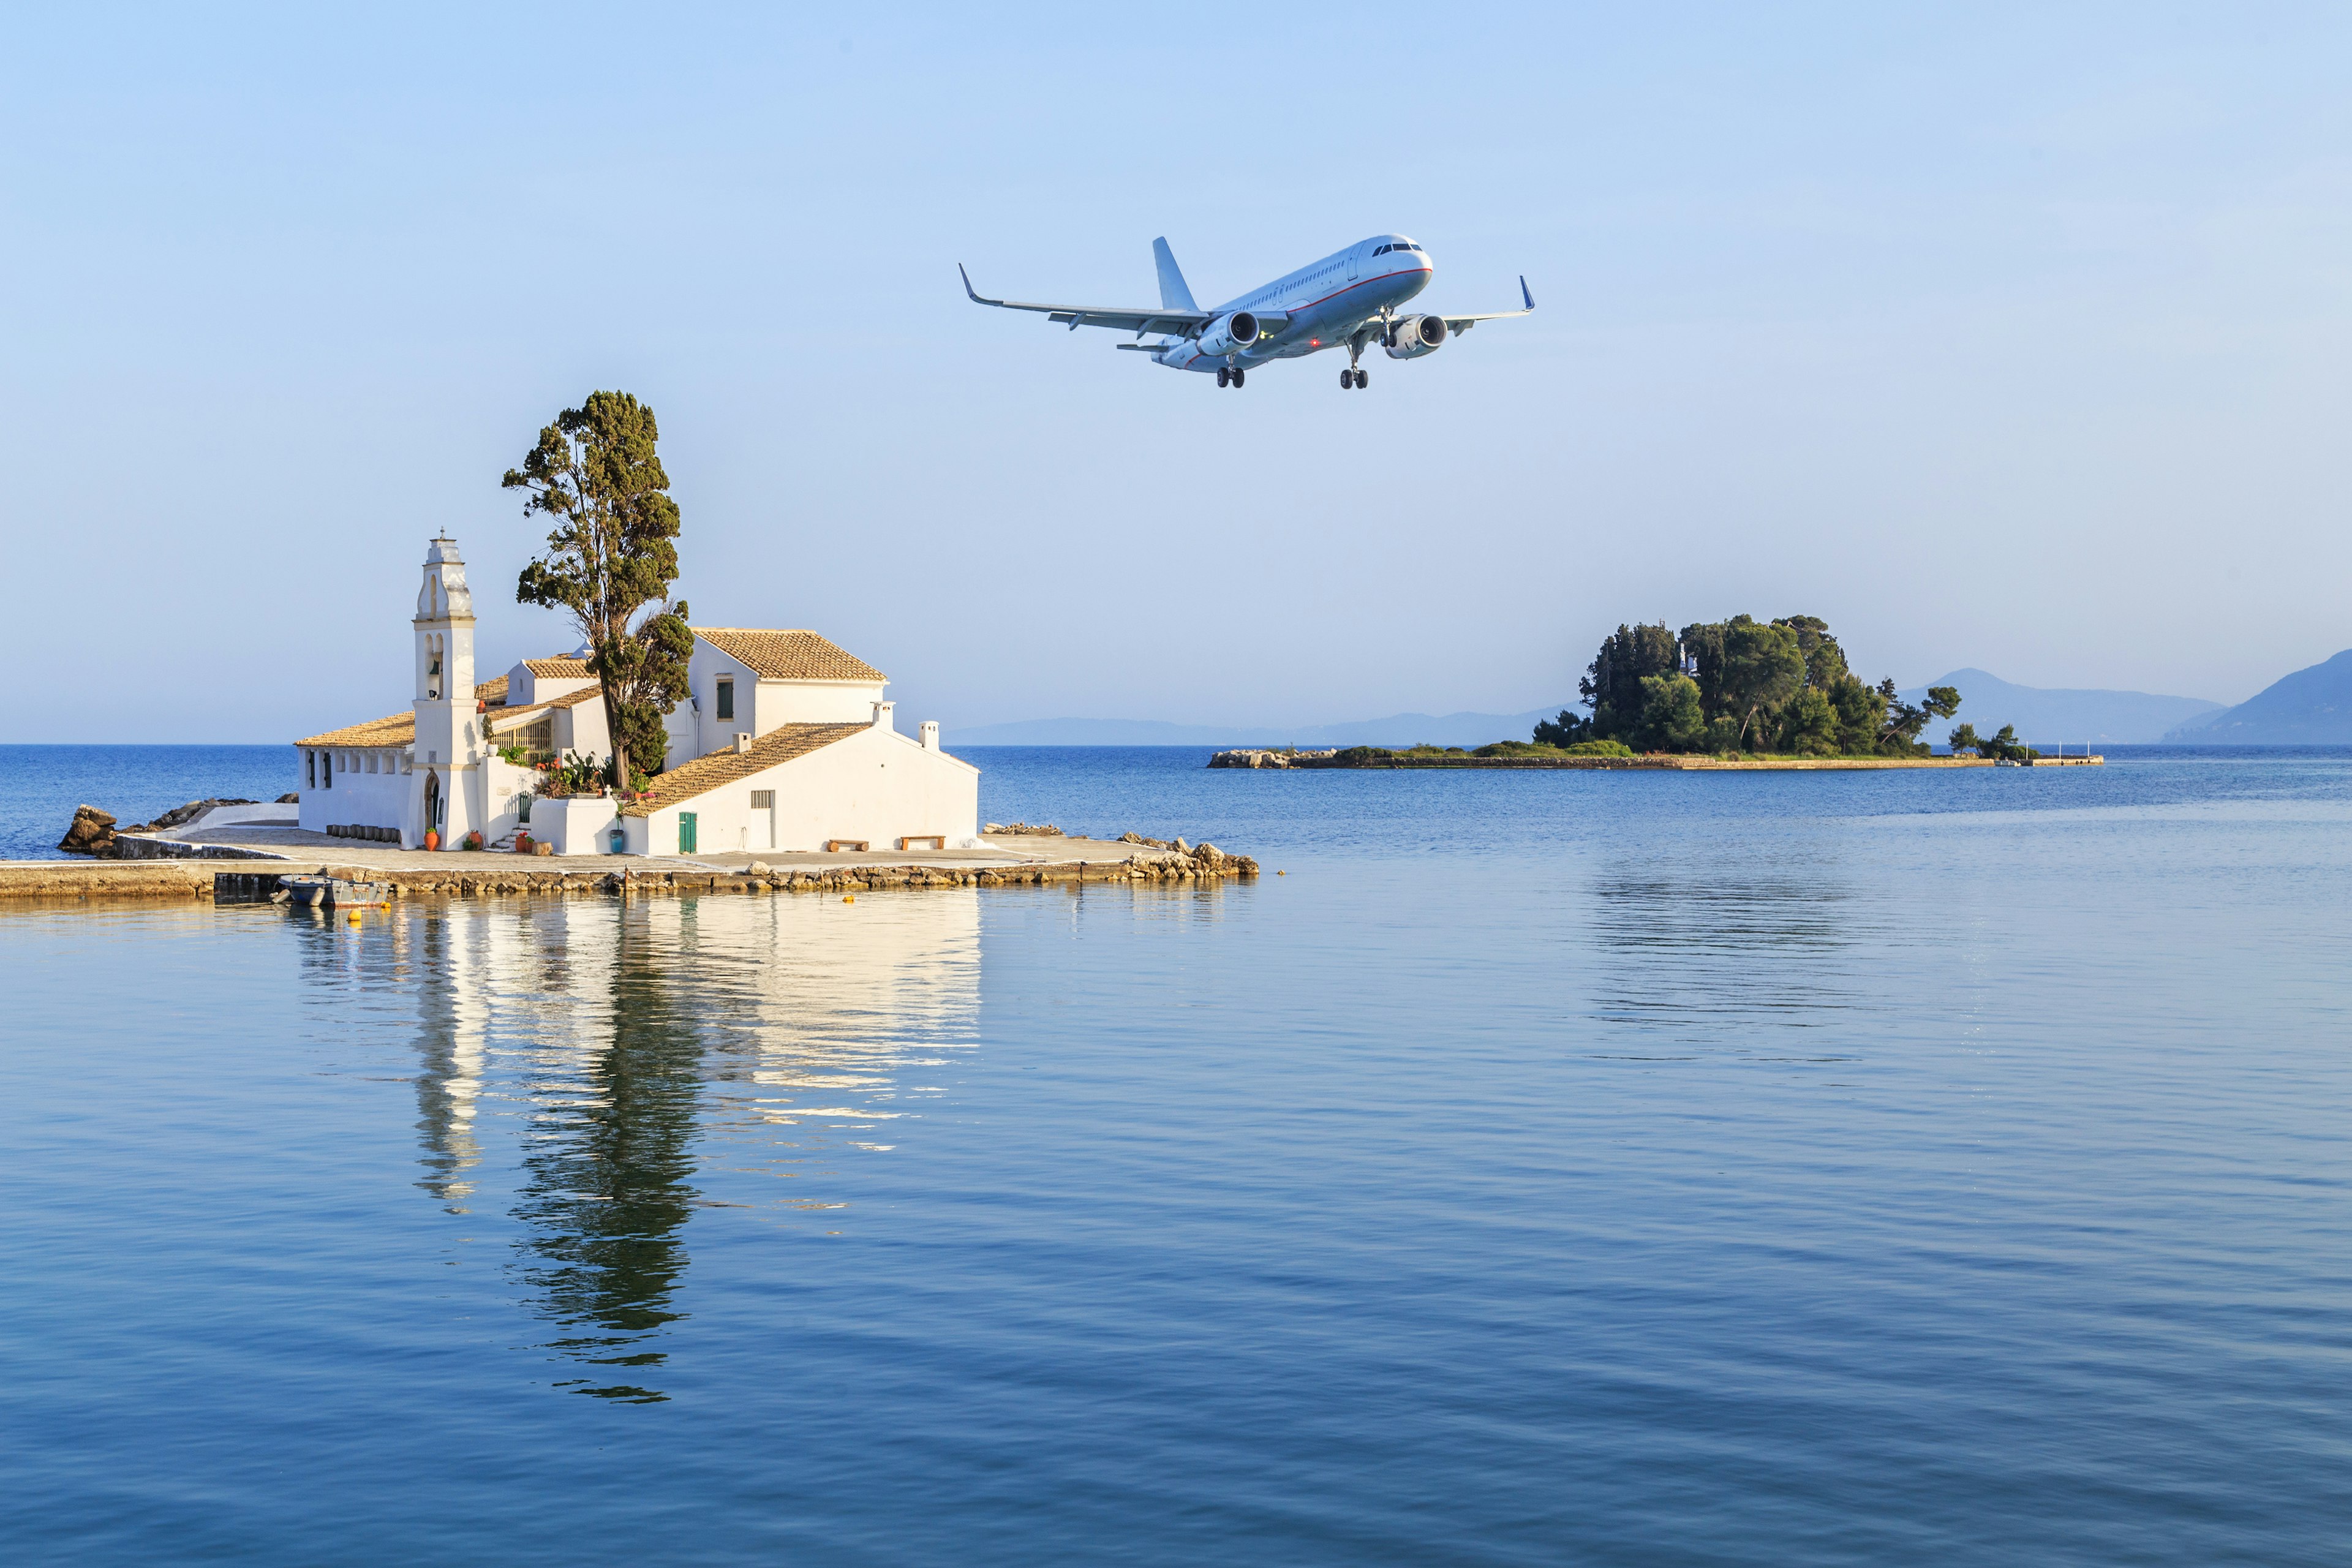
(849, 898)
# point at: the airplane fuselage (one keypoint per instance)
(1328, 304)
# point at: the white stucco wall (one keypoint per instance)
(695, 730)
(378, 799)
(576, 826)
(524, 689)
(816, 702)
(877, 785)
(581, 728)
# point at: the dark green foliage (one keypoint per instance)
(1741, 685)
(1762, 669)
(2003, 747)
(1611, 686)
(1671, 720)
(1808, 725)
(612, 557)
(1963, 738)
(1565, 730)
(1899, 733)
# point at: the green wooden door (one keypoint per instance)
(686, 832)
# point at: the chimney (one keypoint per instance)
(882, 715)
(931, 734)
(742, 742)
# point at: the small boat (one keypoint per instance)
(328, 893)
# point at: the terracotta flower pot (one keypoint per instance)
(431, 839)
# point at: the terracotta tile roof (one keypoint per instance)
(393, 729)
(401, 727)
(558, 669)
(574, 699)
(788, 655)
(705, 773)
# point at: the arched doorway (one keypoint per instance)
(432, 804)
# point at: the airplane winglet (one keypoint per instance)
(970, 291)
(1530, 298)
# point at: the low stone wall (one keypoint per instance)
(235, 887)
(131, 846)
(82, 881)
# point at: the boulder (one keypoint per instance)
(91, 832)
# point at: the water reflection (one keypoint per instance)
(608, 1178)
(1689, 941)
(627, 1059)
(451, 1039)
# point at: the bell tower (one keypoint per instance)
(446, 764)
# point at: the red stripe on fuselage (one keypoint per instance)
(1383, 278)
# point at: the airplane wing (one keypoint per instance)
(1136, 320)
(1464, 324)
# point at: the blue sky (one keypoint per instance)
(2018, 337)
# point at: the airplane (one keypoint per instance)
(1348, 300)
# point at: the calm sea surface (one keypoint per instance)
(1550, 1167)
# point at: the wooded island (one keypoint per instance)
(1742, 692)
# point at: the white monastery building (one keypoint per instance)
(785, 742)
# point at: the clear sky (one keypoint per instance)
(2018, 337)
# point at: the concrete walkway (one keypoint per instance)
(1003, 849)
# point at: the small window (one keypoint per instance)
(727, 700)
(309, 770)
(763, 800)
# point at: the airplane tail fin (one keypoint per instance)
(1173, 295)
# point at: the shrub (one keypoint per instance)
(1599, 748)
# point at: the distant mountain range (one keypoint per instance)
(2310, 708)
(1398, 729)
(2057, 716)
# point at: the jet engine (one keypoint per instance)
(1416, 336)
(1232, 333)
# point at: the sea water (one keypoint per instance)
(1683, 1169)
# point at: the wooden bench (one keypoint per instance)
(836, 845)
(928, 840)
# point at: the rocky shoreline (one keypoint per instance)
(93, 832)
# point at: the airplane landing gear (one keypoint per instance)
(1237, 375)
(1351, 376)
(1224, 376)
(1363, 379)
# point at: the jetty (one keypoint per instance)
(239, 869)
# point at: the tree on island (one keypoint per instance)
(1741, 685)
(611, 559)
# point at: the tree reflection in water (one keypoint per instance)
(605, 1190)
(615, 1046)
